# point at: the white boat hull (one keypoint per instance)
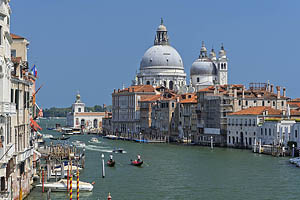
(61, 186)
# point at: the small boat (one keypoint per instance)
(61, 186)
(119, 150)
(136, 162)
(294, 160)
(112, 137)
(94, 140)
(60, 138)
(50, 129)
(79, 144)
(74, 168)
(111, 163)
(47, 136)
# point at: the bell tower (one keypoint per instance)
(222, 67)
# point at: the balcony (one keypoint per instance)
(7, 107)
(22, 156)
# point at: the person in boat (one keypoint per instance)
(138, 158)
(111, 158)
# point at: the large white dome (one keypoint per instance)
(161, 56)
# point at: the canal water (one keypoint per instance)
(181, 172)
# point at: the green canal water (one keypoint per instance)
(182, 172)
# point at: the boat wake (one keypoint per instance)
(99, 149)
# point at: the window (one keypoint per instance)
(246, 103)
(296, 133)
(13, 53)
(148, 83)
(250, 141)
(17, 99)
(261, 131)
(198, 79)
(12, 95)
(273, 103)
(265, 131)
(79, 109)
(270, 132)
(173, 105)
(263, 103)
(239, 102)
(254, 133)
(282, 103)
(77, 121)
(229, 139)
(2, 183)
(0, 35)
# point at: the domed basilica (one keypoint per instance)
(162, 65)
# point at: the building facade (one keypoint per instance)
(79, 119)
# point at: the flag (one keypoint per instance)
(40, 113)
(34, 71)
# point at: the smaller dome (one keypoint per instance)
(203, 67)
(161, 28)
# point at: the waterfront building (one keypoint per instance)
(126, 108)
(187, 126)
(107, 124)
(161, 64)
(243, 127)
(79, 119)
(163, 121)
(216, 102)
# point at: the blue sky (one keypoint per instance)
(94, 46)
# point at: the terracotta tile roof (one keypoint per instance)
(294, 104)
(296, 99)
(295, 113)
(138, 88)
(258, 110)
(192, 99)
(150, 98)
(90, 114)
(14, 36)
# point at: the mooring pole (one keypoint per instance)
(211, 142)
(43, 179)
(71, 188)
(103, 167)
(77, 182)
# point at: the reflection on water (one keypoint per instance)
(182, 172)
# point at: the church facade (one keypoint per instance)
(80, 119)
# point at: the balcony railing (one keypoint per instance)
(7, 107)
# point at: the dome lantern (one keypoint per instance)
(161, 37)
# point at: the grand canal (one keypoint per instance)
(183, 172)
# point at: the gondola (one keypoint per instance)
(60, 138)
(136, 163)
(111, 163)
(119, 150)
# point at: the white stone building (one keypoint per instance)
(245, 127)
(80, 119)
(161, 64)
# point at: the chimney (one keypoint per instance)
(114, 90)
(243, 93)
(132, 89)
(235, 93)
(118, 90)
(272, 88)
(278, 92)
(284, 92)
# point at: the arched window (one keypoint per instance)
(79, 109)
(82, 122)
(148, 83)
(198, 79)
(171, 85)
(165, 83)
(263, 103)
(224, 65)
(77, 121)
(95, 123)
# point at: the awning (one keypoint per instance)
(34, 125)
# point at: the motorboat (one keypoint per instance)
(94, 140)
(79, 144)
(61, 186)
(111, 163)
(47, 136)
(119, 150)
(294, 160)
(74, 168)
(67, 131)
(112, 137)
(137, 162)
